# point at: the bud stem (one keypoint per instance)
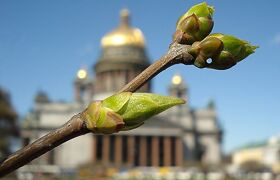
(177, 53)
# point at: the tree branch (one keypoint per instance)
(76, 126)
(73, 128)
(177, 53)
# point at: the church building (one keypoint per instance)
(173, 138)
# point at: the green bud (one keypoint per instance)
(209, 47)
(142, 106)
(102, 120)
(224, 50)
(125, 111)
(195, 24)
(239, 48)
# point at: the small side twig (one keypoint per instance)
(76, 125)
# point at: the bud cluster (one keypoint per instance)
(216, 51)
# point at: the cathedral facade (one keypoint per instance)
(172, 138)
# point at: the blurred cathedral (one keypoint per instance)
(173, 138)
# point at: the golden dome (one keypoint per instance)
(124, 34)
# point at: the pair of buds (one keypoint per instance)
(194, 27)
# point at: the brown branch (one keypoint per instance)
(177, 53)
(73, 128)
(76, 126)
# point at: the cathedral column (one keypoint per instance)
(155, 151)
(130, 150)
(118, 150)
(143, 151)
(167, 151)
(178, 152)
(106, 149)
(94, 152)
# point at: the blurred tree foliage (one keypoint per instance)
(8, 124)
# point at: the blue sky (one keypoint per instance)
(44, 43)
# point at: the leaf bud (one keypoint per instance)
(125, 111)
(224, 50)
(195, 24)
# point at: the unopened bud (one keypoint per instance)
(195, 24)
(210, 47)
(126, 111)
(239, 48)
(142, 106)
(224, 50)
(102, 120)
